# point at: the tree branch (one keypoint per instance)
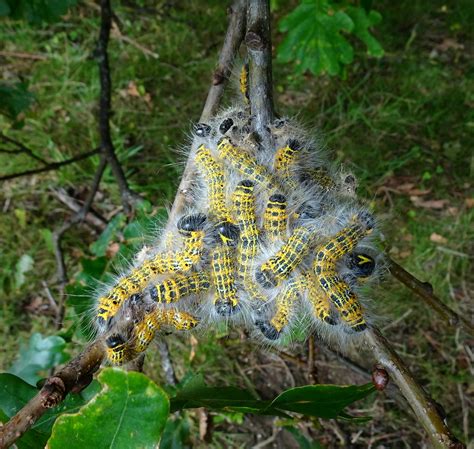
(259, 47)
(233, 39)
(425, 291)
(422, 405)
(51, 166)
(129, 198)
(20, 149)
(74, 377)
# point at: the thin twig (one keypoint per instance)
(74, 377)
(425, 291)
(129, 198)
(166, 363)
(259, 46)
(422, 405)
(232, 41)
(21, 148)
(51, 166)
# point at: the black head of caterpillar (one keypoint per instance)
(191, 223)
(225, 125)
(361, 265)
(227, 234)
(202, 129)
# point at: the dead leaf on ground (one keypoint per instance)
(469, 203)
(436, 238)
(112, 250)
(429, 204)
(449, 44)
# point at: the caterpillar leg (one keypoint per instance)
(285, 159)
(191, 228)
(284, 308)
(337, 290)
(318, 299)
(179, 286)
(275, 217)
(223, 269)
(213, 172)
(244, 163)
(279, 267)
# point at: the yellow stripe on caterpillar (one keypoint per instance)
(244, 163)
(244, 83)
(179, 286)
(275, 217)
(223, 269)
(213, 172)
(280, 266)
(318, 299)
(243, 207)
(285, 159)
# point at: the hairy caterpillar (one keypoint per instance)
(273, 235)
(191, 228)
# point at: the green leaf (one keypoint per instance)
(14, 99)
(176, 434)
(322, 401)
(362, 22)
(99, 247)
(314, 40)
(24, 265)
(41, 354)
(15, 393)
(130, 411)
(37, 11)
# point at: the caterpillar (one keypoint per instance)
(129, 287)
(276, 269)
(244, 163)
(179, 286)
(272, 236)
(213, 173)
(337, 290)
(223, 268)
(275, 217)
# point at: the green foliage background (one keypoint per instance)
(403, 122)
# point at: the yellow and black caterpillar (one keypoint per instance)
(270, 240)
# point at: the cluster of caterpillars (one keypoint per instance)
(275, 235)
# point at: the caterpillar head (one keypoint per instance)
(191, 223)
(227, 234)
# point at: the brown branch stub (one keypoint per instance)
(259, 47)
(78, 372)
(425, 291)
(423, 406)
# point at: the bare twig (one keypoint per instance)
(74, 377)
(232, 41)
(21, 148)
(425, 291)
(166, 363)
(259, 46)
(422, 405)
(51, 166)
(129, 198)
(93, 218)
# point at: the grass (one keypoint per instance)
(404, 120)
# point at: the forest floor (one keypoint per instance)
(403, 124)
